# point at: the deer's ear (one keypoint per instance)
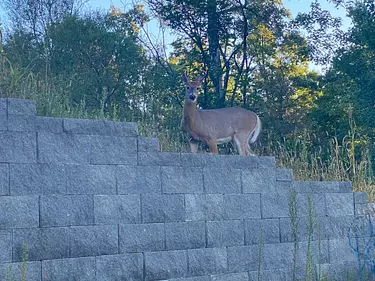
(185, 79)
(202, 77)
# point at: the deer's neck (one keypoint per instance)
(190, 114)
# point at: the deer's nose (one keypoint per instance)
(192, 96)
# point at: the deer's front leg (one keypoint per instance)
(193, 146)
(213, 146)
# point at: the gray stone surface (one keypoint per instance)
(141, 237)
(119, 268)
(345, 187)
(259, 180)
(113, 150)
(243, 258)
(181, 180)
(320, 229)
(340, 251)
(21, 123)
(340, 204)
(19, 212)
(283, 174)
(266, 162)
(159, 159)
(271, 275)
(266, 230)
(63, 148)
(360, 197)
(225, 233)
(277, 256)
(198, 278)
(37, 179)
(317, 205)
(91, 179)
(148, 144)
(219, 180)
(14, 270)
(138, 179)
(207, 261)
(17, 147)
(275, 205)
(204, 207)
(185, 235)
(117, 209)
(48, 124)
(4, 179)
(163, 208)
(218, 161)
(242, 206)
(99, 127)
(93, 240)
(66, 210)
(21, 107)
(5, 246)
(82, 269)
(3, 121)
(164, 265)
(244, 276)
(324, 186)
(41, 243)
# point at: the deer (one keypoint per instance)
(217, 126)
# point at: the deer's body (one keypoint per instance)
(216, 126)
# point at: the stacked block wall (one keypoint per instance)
(92, 200)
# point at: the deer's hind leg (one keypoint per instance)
(193, 146)
(241, 143)
(213, 146)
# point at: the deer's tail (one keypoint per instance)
(256, 132)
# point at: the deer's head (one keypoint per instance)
(192, 87)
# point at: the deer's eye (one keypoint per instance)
(187, 87)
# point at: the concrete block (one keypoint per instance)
(364, 209)
(243, 258)
(266, 229)
(225, 233)
(342, 227)
(204, 207)
(5, 246)
(271, 275)
(259, 180)
(3, 121)
(100, 127)
(119, 267)
(218, 161)
(181, 180)
(207, 261)
(198, 278)
(302, 232)
(162, 208)
(219, 180)
(49, 124)
(82, 269)
(275, 205)
(242, 206)
(41, 243)
(185, 235)
(360, 197)
(340, 204)
(159, 159)
(148, 144)
(111, 150)
(317, 204)
(63, 148)
(19, 212)
(324, 186)
(266, 162)
(340, 251)
(277, 256)
(243, 276)
(93, 240)
(37, 179)
(21, 107)
(14, 271)
(3, 106)
(91, 179)
(138, 179)
(301, 186)
(21, 123)
(319, 251)
(4, 179)
(346, 271)
(141, 237)
(66, 210)
(117, 209)
(164, 265)
(17, 147)
(283, 174)
(345, 186)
